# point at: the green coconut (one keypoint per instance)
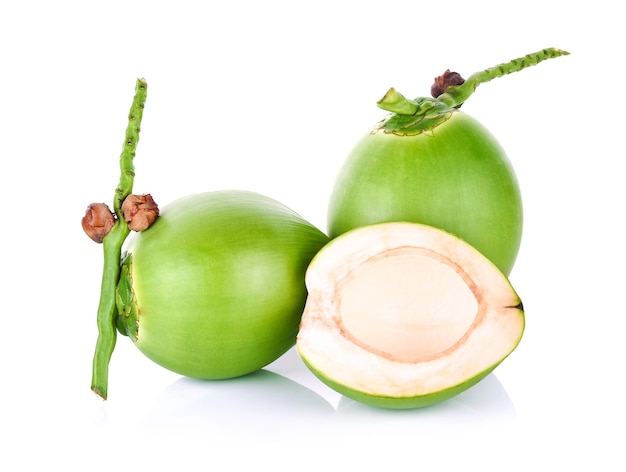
(215, 287)
(405, 315)
(457, 178)
(211, 286)
(431, 163)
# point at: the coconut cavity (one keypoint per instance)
(408, 305)
(404, 315)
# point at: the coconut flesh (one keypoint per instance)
(403, 315)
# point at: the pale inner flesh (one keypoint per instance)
(407, 307)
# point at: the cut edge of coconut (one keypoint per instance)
(369, 340)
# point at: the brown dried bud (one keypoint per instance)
(140, 211)
(448, 79)
(98, 221)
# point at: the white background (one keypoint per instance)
(271, 96)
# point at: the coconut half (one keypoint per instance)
(403, 315)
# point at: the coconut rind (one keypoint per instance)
(399, 403)
(376, 379)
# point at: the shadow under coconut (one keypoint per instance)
(261, 404)
(486, 404)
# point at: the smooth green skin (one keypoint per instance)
(219, 283)
(455, 177)
(399, 403)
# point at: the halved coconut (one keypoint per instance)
(403, 315)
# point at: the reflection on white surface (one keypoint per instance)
(249, 405)
(485, 404)
(285, 399)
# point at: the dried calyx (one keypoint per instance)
(98, 221)
(447, 79)
(140, 211)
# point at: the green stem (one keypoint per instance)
(456, 95)
(113, 243)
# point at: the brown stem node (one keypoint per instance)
(140, 211)
(98, 221)
(447, 79)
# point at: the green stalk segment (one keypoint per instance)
(113, 243)
(456, 95)
(411, 117)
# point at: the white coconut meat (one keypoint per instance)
(405, 310)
